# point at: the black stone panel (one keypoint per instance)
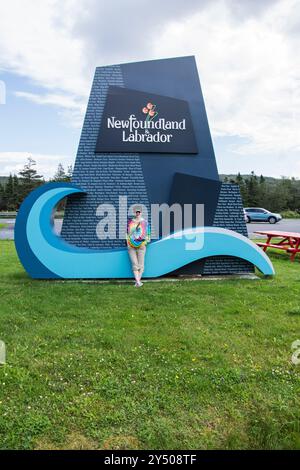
(189, 189)
(228, 213)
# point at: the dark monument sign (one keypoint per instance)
(135, 121)
(145, 140)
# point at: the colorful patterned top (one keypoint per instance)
(138, 233)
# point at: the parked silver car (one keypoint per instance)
(258, 214)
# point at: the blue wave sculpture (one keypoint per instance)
(45, 255)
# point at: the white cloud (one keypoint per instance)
(250, 74)
(36, 41)
(247, 54)
(72, 107)
(13, 162)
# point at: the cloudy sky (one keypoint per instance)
(247, 53)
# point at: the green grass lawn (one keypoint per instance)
(186, 365)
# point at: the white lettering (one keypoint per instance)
(137, 137)
(133, 124)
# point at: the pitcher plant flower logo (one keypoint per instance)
(151, 113)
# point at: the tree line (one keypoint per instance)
(276, 195)
(17, 187)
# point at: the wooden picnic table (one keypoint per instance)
(289, 241)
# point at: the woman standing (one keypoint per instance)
(138, 235)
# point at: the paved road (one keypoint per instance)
(287, 225)
(7, 233)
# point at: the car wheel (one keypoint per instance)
(272, 220)
(248, 220)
